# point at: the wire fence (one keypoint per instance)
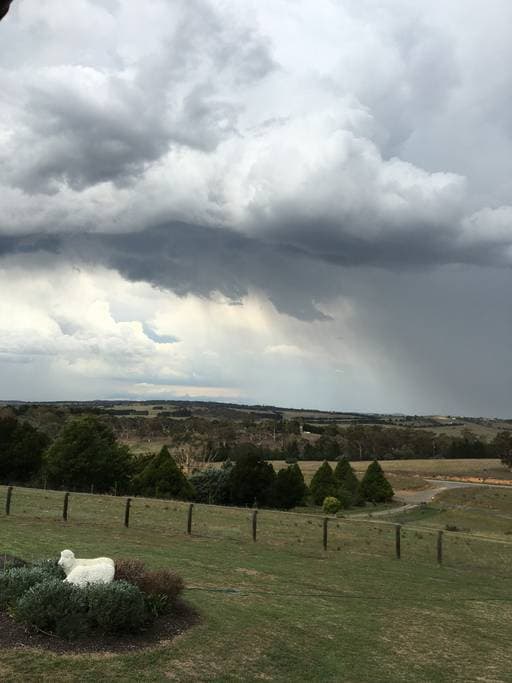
(304, 533)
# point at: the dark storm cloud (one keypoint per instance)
(192, 259)
(195, 259)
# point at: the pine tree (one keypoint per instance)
(251, 481)
(323, 484)
(161, 476)
(347, 482)
(289, 488)
(345, 475)
(374, 485)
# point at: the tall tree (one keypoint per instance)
(501, 446)
(346, 479)
(323, 484)
(375, 488)
(86, 454)
(21, 450)
(289, 487)
(160, 476)
(251, 481)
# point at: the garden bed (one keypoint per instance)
(167, 627)
(140, 608)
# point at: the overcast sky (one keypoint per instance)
(295, 202)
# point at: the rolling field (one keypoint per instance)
(479, 511)
(282, 609)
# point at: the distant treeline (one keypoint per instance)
(361, 442)
(86, 456)
(28, 453)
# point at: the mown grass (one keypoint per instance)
(281, 609)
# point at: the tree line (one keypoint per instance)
(197, 438)
(86, 456)
(363, 442)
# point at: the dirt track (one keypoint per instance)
(437, 486)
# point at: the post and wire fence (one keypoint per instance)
(297, 531)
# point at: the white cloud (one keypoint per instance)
(86, 330)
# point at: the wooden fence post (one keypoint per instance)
(8, 501)
(254, 524)
(65, 507)
(127, 512)
(326, 521)
(189, 518)
(398, 538)
(439, 547)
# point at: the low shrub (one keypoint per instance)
(71, 611)
(16, 581)
(331, 505)
(9, 561)
(161, 588)
(116, 607)
(129, 570)
(157, 604)
(50, 568)
(55, 606)
(162, 582)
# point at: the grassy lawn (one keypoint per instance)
(281, 609)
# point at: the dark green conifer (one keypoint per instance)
(161, 477)
(375, 488)
(323, 484)
(348, 483)
(289, 488)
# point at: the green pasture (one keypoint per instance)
(478, 511)
(282, 609)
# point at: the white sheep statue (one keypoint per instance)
(81, 572)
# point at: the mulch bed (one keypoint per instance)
(163, 630)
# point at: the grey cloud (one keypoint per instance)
(80, 143)
(86, 125)
(194, 259)
(158, 338)
(443, 332)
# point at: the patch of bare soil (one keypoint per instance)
(163, 630)
(474, 480)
